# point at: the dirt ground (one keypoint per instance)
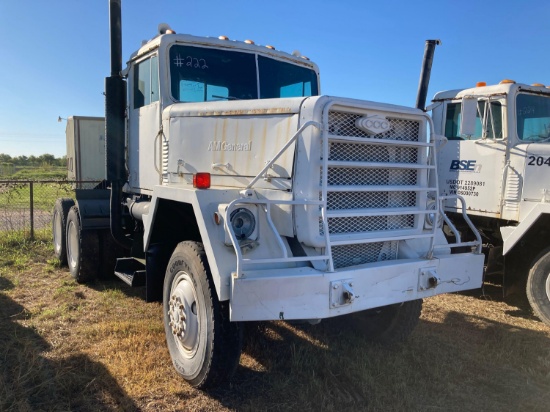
(100, 347)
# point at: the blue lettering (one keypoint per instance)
(468, 165)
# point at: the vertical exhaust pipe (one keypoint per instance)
(425, 73)
(115, 108)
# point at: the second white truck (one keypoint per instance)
(498, 158)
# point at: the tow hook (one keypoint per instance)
(347, 293)
(428, 279)
(341, 293)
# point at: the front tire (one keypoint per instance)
(59, 228)
(204, 345)
(388, 324)
(538, 287)
(82, 249)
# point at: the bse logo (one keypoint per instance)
(465, 165)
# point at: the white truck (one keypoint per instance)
(498, 158)
(236, 192)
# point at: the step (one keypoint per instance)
(131, 271)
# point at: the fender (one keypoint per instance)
(204, 203)
(512, 234)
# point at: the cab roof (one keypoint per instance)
(164, 40)
(498, 89)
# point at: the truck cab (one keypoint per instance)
(502, 165)
(173, 70)
(497, 156)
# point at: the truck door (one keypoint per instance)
(144, 125)
(473, 166)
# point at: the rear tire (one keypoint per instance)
(82, 249)
(204, 345)
(388, 324)
(59, 228)
(538, 287)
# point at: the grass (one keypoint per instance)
(65, 346)
(38, 173)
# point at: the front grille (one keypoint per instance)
(371, 164)
(352, 255)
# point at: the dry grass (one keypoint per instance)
(64, 346)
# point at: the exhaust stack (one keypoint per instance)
(115, 108)
(425, 73)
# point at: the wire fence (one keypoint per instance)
(26, 205)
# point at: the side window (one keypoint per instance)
(453, 115)
(488, 121)
(146, 82)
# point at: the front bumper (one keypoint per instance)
(306, 293)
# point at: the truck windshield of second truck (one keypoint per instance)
(201, 74)
(533, 118)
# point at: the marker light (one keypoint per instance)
(270, 47)
(507, 81)
(201, 180)
(538, 85)
(223, 37)
(481, 84)
(249, 42)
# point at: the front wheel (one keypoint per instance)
(388, 324)
(538, 287)
(204, 345)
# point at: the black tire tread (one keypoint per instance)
(62, 206)
(87, 267)
(536, 286)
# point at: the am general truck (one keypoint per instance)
(236, 192)
(497, 158)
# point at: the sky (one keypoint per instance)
(55, 53)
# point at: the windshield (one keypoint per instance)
(488, 121)
(200, 75)
(533, 117)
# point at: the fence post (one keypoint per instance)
(32, 209)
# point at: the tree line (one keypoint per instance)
(42, 160)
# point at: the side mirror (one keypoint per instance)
(468, 118)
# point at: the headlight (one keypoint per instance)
(243, 223)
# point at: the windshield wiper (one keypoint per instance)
(225, 97)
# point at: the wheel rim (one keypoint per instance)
(548, 286)
(182, 312)
(57, 232)
(72, 244)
